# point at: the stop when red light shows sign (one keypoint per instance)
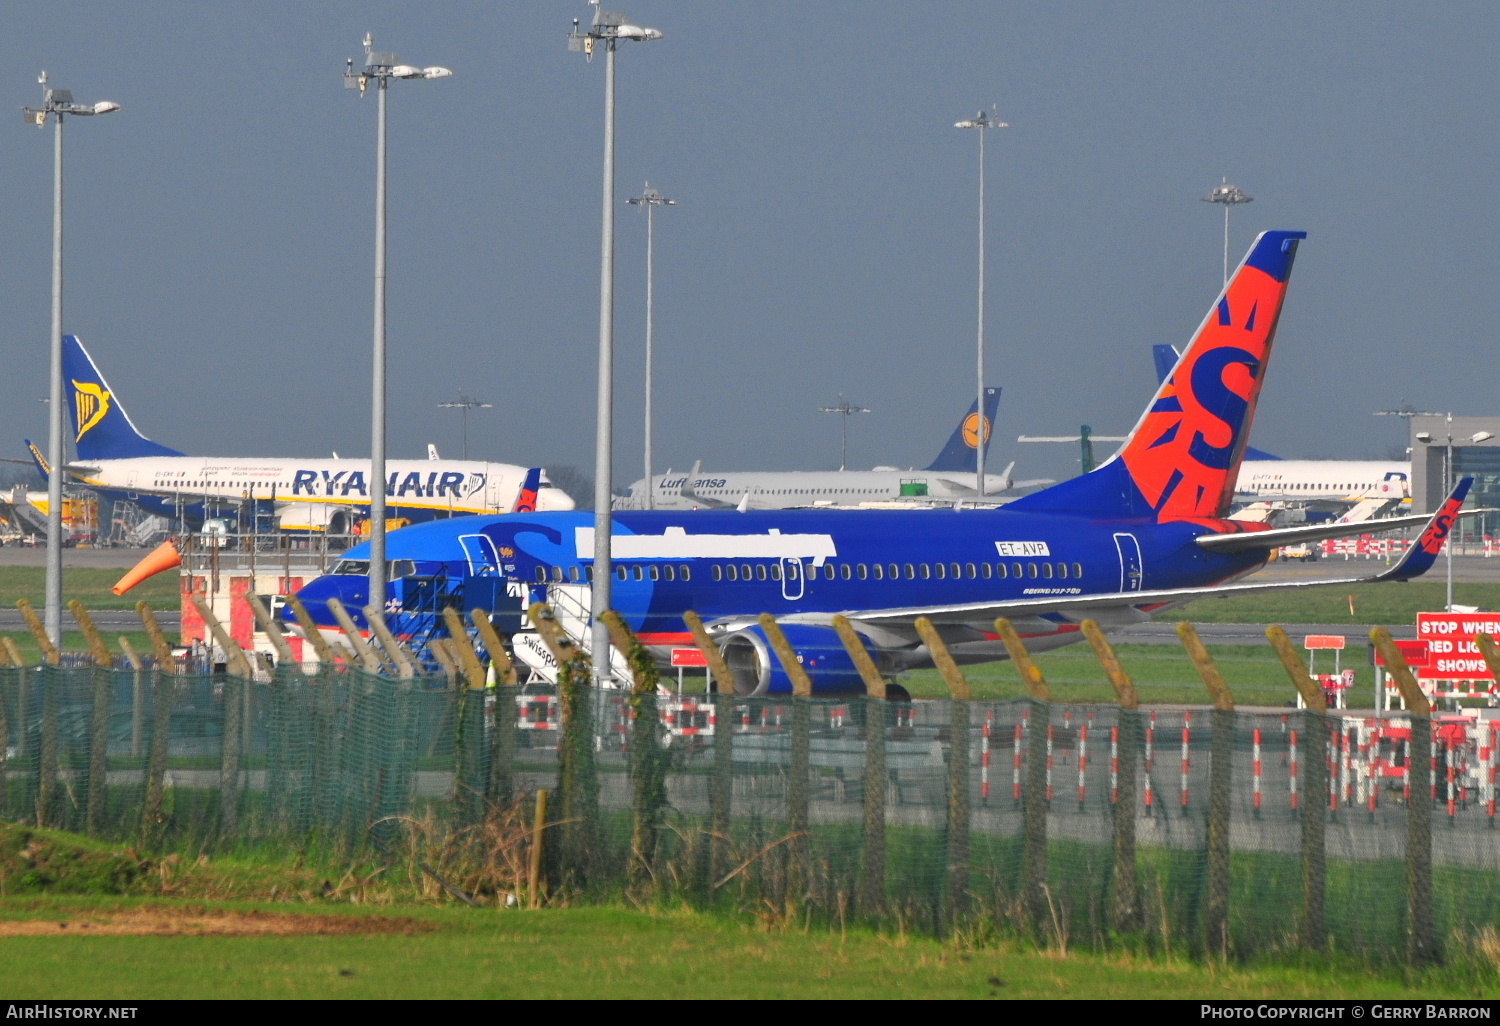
(1452, 653)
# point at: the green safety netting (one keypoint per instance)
(1189, 829)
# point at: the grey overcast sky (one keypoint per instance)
(219, 229)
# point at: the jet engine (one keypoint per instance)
(758, 672)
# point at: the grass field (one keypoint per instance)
(90, 584)
(426, 952)
(1389, 603)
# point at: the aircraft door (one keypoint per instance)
(792, 583)
(1132, 573)
(484, 561)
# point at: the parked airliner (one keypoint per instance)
(950, 476)
(1145, 532)
(116, 460)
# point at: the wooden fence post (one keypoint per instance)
(371, 659)
(648, 771)
(1422, 945)
(236, 682)
(799, 773)
(50, 655)
(871, 892)
(1312, 782)
(959, 696)
(721, 784)
(327, 658)
(153, 821)
(1125, 903)
(1034, 804)
(1220, 794)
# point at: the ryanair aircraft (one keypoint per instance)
(331, 495)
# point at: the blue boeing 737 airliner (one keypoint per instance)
(1142, 533)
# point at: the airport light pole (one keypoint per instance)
(1228, 196)
(845, 409)
(1426, 439)
(58, 105)
(606, 30)
(380, 68)
(981, 122)
(650, 199)
(465, 404)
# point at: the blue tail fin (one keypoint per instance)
(102, 430)
(39, 458)
(1183, 457)
(1166, 358)
(960, 452)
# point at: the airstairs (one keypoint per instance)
(570, 604)
(1370, 508)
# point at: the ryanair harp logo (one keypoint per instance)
(91, 404)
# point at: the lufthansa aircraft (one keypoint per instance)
(950, 476)
(116, 460)
(1144, 532)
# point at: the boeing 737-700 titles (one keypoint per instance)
(1145, 532)
(116, 460)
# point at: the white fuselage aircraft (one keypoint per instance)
(332, 495)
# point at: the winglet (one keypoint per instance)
(1420, 557)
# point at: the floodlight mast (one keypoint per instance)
(650, 199)
(981, 122)
(607, 29)
(845, 409)
(57, 104)
(1228, 195)
(379, 69)
(466, 403)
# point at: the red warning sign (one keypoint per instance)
(1452, 653)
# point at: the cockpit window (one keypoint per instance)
(395, 569)
(359, 567)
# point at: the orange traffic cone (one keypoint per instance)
(164, 557)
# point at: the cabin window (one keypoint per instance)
(953, 570)
(1031, 569)
(844, 571)
(892, 571)
(622, 573)
(775, 571)
(716, 572)
(733, 571)
(638, 573)
(573, 574)
(1077, 570)
(557, 574)
(1062, 570)
(984, 569)
(686, 573)
(588, 572)
(911, 572)
(760, 571)
(747, 573)
(941, 570)
(828, 572)
(1015, 570)
(862, 571)
(669, 572)
(656, 573)
(879, 572)
(926, 571)
(1000, 570)
(541, 575)
(1047, 570)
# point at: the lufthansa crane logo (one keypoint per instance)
(91, 404)
(971, 430)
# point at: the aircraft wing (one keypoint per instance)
(1417, 561)
(690, 493)
(1315, 532)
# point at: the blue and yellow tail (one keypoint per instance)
(961, 452)
(1181, 460)
(102, 430)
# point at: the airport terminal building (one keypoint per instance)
(1476, 450)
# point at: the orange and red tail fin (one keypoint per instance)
(1181, 460)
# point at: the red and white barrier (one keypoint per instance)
(1114, 765)
(1291, 755)
(1150, 742)
(538, 712)
(1049, 764)
(1255, 770)
(1187, 729)
(1016, 769)
(1083, 760)
(984, 759)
